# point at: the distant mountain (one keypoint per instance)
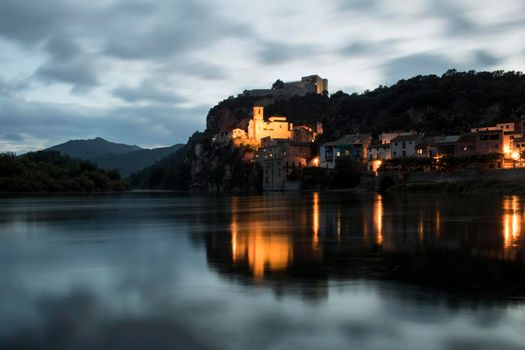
(127, 159)
(132, 162)
(93, 148)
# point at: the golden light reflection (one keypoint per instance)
(511, 221)
(438, 223)
(420, 227)
(338, 224)
(252, 242)
(378, 218)
(315, 219)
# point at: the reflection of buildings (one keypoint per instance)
(512, 214)
(317, 236)
(261, 250)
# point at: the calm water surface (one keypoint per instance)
(294, 271)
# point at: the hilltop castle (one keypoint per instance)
(307, 85)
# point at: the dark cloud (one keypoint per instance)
(172, 28)
(454, 15)
(147, 92)
(128, 30)
(364, 48)
(417, 64)
(29, 22)
(486, 59)
(276, 52)
(12, 137)
(62, 48)
(357, 5)
(80, 72)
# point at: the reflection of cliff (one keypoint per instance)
(311, 238)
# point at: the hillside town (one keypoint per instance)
(281, 147)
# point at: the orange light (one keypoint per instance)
(315, 161)
(515, 155)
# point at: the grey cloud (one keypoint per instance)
(62, 48)
(453, 15)
(363, 48)
(486, 59)
(172, 29)
(356, 48)
(276, 52)
(190, 68)
(80, 72)
(128, 30)
(12, 136)
(357, 5)
(8, 87)
(29, 22)
(418, 64)
(147, 91)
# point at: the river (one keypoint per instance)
(278, 271)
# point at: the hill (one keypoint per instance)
(93, 148)
(127, 159)
(451, 103)
(132, 162)
(49, 171)
(435, 105)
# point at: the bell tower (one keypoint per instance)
(258, 113)
(255, 125)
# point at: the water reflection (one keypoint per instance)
(261, 250)
(332, 235)
(378, 216)
(325, 270)
(511, 221)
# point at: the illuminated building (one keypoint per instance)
(354, 147)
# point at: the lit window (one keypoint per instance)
(338, 154)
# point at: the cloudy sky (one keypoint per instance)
(147, 71)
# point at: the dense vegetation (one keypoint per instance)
(449, 104)
(49, 171)
(171, 173)
(132, 162)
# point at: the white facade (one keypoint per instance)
(404, 146)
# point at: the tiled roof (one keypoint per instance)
(404, 138)
(350, 140)
(450, 139)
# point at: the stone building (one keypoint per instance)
(307, 85)
(275, 127)
(279, 157)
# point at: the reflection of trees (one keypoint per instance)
(309, 238)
